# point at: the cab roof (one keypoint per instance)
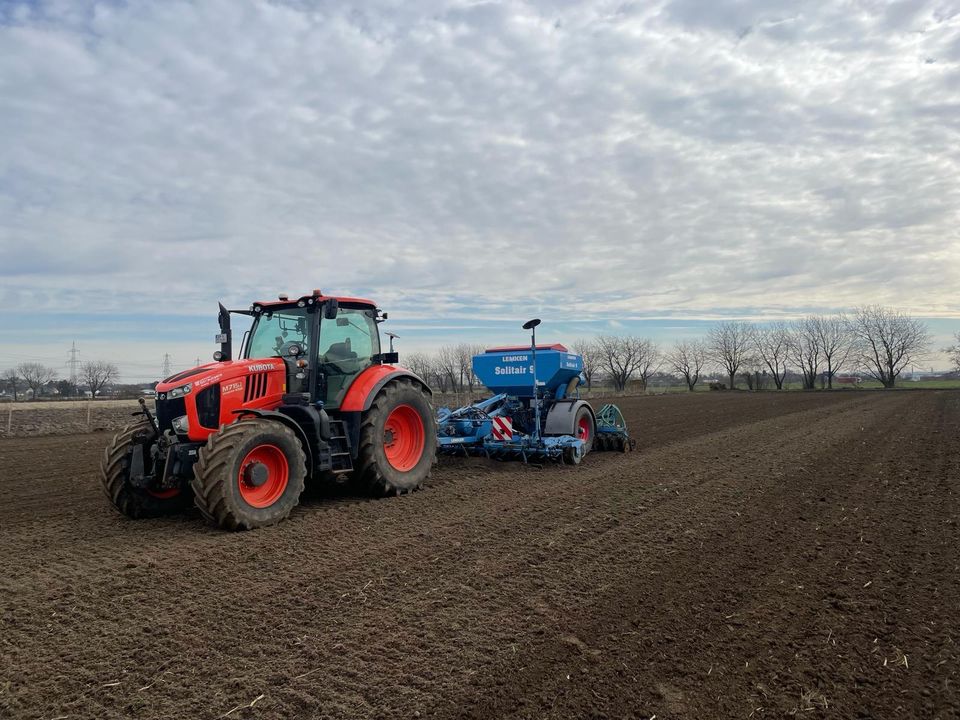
(317, 296)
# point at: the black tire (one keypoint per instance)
(375, 474)
(584, 413)
(132, 501)
(571, 456)
(217, 474)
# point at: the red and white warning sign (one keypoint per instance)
(502, 428)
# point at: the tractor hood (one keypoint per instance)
(217, 372)
(195, 403)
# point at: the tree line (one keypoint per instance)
(449, 370)
(39, 379)
(874, 341)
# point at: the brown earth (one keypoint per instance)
(760, 556)
(31, 419)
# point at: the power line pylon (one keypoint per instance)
(74, 362)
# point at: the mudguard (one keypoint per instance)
(368, 383)
(561, 417)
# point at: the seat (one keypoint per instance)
(341, 351)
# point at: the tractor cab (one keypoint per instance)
(324, 342)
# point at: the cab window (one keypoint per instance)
(274, 332)
(347, 346)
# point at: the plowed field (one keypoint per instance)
(759, 556)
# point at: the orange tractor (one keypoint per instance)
(312, 398)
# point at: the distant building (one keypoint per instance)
(847, 380)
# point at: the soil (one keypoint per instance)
(32, 419)
(759, 556)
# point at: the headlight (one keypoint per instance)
(181, 425)
(182, 390)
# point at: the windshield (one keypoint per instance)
(273, 332)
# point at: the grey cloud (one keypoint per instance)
(506, 153)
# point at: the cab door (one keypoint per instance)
(348, 345)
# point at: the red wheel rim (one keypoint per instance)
(403, 438)
(255, 489)
(584, 430)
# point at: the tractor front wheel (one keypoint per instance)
(133, 501)
(398, 441)
(249, 474)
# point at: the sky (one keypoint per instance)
(611, 167)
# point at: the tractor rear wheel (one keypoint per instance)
(133, 501)
(398, 441)
(249, 474)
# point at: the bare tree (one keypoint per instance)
(36, 376)
(98, 373)
(836, 343)
(773, 349)
(10, 380)
(589, 350)
(687, 359)
(439, 377)
(731, 344)
(651, 360)
(954, 352)
(623, 357)
(428, 367)
(420, 364)
(754, 373)
(448, 366)
(465, 353)
(805, 350)
(887, 341)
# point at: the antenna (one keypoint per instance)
(391, 336)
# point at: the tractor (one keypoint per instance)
(312, 400)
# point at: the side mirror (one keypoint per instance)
(330, 309)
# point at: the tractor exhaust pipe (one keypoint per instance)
(226, 342)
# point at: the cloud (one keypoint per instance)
(463, 160)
